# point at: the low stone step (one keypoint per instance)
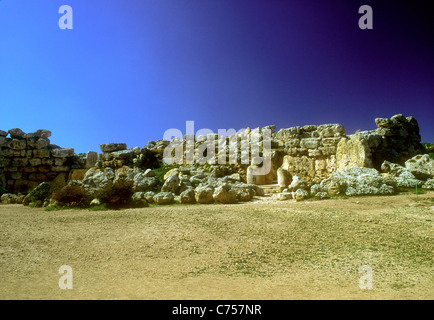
(270, 188)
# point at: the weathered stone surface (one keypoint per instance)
(164, 198)
(149, 196)
(9, 198)
(149, 173)
(310, 143)
(361, 181)
(171, 184)
(17, 144)
(63, 153)
(225, 194)
(42, 133)
(297, 183)
(173, 171)
(204, 194)
(283, 196)
(429, 184)
(145, 183)
(3, 133)
(91, 159)
(96, 182)
(42, 153)
(243, 193)
(322, 195)
(77, 174)
(421, 166)
(111, 147)
(16, 133)
(353, 152)
(60, 168)
(303, 167)
(283, 178)
(187, 196)
(300, 194)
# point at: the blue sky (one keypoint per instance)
(130, 70)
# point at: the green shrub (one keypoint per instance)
(119, 195)
(40, 193)
(73, 194)
(161, 171)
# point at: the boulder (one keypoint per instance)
(96, 182)
(9, 198)
(187, 196)
(300, 194)
(297, 183)
(243, 194)
(164, 198)
(204, 194)
(225, 194)
(322, 195)
(42, 133)
(171, 184)
(429, 184)
(149, 196)
(16, 133)
(360, 181)
(149, 173)
(315, 188)
(421, 166)
(283, 178)
(145, 183)
(174, 171)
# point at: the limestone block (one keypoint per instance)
(60, 168)
(38, 177)
(353, 152)
(63, 153)
(59, 161)
(42, 133)
(91, 159)
(47, 161)
(44, 169)
(111, 147)
(35, 162)
(310, 143)
(16, 133)
(16, 144)
(19, 162)
(41, 153)
(314, 153)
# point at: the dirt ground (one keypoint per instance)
(257, 250)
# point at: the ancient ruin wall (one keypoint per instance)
(27, 159)
(312, 152)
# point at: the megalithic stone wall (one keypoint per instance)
(396, 140)
(27, 159)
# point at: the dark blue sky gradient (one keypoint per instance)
(130, 70)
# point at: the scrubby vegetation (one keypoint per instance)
(429, 148)
(73, 194)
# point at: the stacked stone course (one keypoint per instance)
(27, 159)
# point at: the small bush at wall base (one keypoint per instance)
(72, 194)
